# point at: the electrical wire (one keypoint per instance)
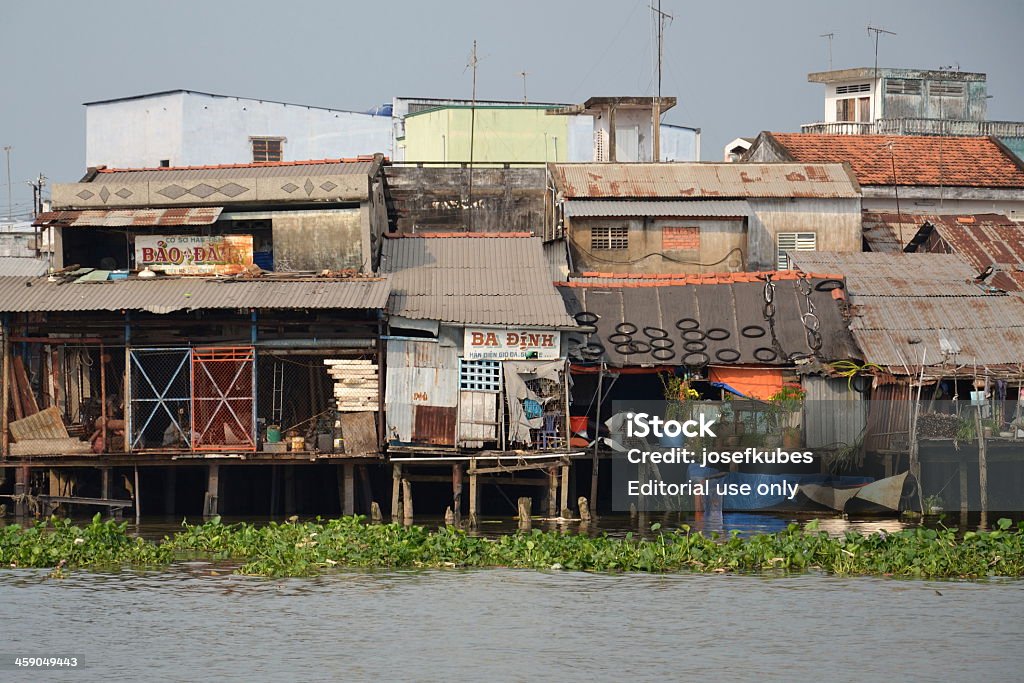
(743, 260)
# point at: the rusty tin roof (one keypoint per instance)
(119, 218)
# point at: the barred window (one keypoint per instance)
(267, 149)
(903, 86)
(479, 375)
(793, 241)
(609, 237)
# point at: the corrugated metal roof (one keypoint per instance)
(909, 307)
(668, 207)
(117, 218)
(364, 166)
(982, 240)
(479, 280)
(730, 306)
(707, 180)
(556, 252)
(166, 295)
(15, 266)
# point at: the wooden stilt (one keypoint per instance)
(275, 489)
(407, 514)
(964, 500)
(525, 505)
(21, 490)
(566, 513)
(982, 468)
(350, 489)
(474, 495)
(396, 492)
(584, 510)
(170, 489)
(456, 493)
(364, 481)
(211, 503)
(552, 492)
(138, 498)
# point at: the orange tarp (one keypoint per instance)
(762, 383)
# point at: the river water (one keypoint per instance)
(196, 620)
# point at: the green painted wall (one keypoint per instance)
(513, 134)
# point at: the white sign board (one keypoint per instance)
(489, 344)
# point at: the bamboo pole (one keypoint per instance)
(597, 436)
(138, 498)
(982, 467)
(474, 495)
(6, 407)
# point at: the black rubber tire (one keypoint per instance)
(748, 332)
(633, 348)
(734, 355)
(695, 346)
(689, 335)
(706, 357)
(662, 343)
(663, 354)
(688, 326)
(760, 352)
(593, 349)
(655, 333)
(626, 328)
(720, 334)
(586, 318)
(834, 284)
(619, 338)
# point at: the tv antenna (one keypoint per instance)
(830, 36)
(524, 74)
(878, 31)
(472, 64)
(662, 18)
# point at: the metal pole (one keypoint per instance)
(10, 202)
(597, 438)
(472, 135)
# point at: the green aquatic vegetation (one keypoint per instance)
(304, 548)
(57, 543)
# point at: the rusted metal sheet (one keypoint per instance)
(982, 240)
(703, 180)
(434, 425)
(419, 373)
(119, 218)
(473, 279)
(835, 416)
(889, 418)
(23, 294)
(668, 207)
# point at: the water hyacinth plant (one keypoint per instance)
(307, 548)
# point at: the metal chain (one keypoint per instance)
(812, 324)
(769, 313)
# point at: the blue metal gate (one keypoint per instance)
(160, 409)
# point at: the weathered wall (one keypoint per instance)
(949, 200)
(437, 199)
(670, 245)
(190, 129)
(836, 222)
(318, 240)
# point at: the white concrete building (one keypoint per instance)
(189, 128)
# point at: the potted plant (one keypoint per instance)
(678, 395)
(786, 405)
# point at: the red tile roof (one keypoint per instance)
(920, 160)
(595, 279)
(261, 164)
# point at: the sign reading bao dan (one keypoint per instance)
(193, 254)
(489, 344)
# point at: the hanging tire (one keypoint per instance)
(586, 318)
(695, 346)
(663, 354)
(655, 333)
(687, 324)
(704, 359)
(626, 328)
(829, 284)
(619, 338)
(753, 332)
(727, 355)
(662, 343)
(765, 354)
(693, 335)
(717, 334)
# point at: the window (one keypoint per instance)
(846, 89)
(903, 86)
(609, 237)
(267, 149)
(856, 109)
(165, 163)
(946, 89)
(793, 241)
(479, 375)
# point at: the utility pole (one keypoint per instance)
(473, 61)
(661, 18)
(830, 36)
(877, 32)
(524, 74)
(10, 202)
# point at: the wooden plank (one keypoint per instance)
(66, 446)
(25, 395)
(359, 430)
(45, 424)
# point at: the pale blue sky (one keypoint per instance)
(736, 67)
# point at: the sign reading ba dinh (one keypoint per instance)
(490, 344)
(193, 254)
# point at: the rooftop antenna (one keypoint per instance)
(10, 205)
(878, 31)
(472, 64)
(524, 74)
(662, 18)
(830, 36)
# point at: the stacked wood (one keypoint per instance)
(937, 426)
(44, 433)
(355, 384)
